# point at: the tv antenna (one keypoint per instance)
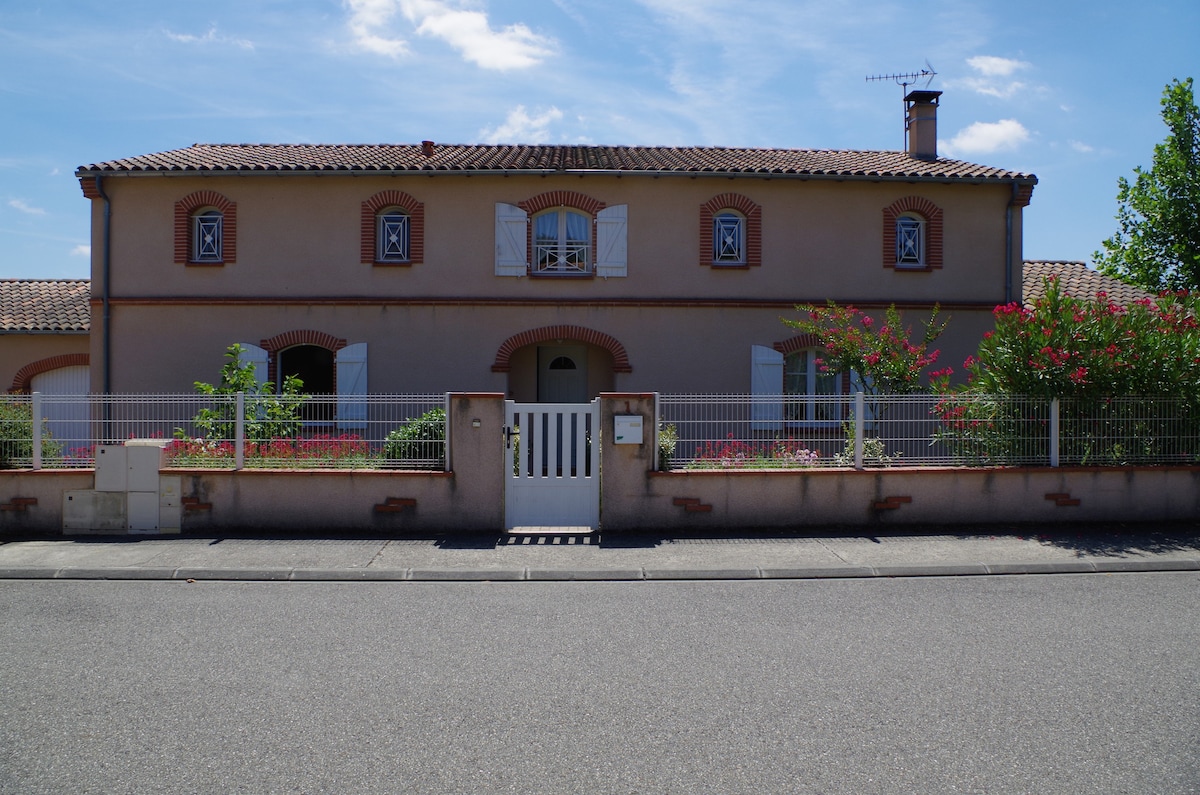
(904, 80)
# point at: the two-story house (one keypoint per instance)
(548, 273)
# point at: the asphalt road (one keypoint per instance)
(1031, 684)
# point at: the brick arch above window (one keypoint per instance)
(749, 210)
(416, 225)
(290, 339)
(553, 333)
(186, 207)
(799, 342)
(930, 213)
(24, 377)
(562, 198)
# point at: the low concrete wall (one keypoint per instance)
(471, 497)
(723, 500)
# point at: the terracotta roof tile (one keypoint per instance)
(45, 305)
(451, 158)
(1078, 281)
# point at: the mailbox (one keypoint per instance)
(628, 429)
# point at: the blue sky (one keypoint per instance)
(1066, 89)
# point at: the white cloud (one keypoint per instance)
(1081, 147)
(25, 207)
(993, 76)
(987, 137)
(81, 251)
(459, 23)
(211, 37)
(520, 127)
(369, 20)
(469, 31)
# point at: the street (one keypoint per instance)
(1023, 684)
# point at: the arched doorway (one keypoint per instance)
(313, 365)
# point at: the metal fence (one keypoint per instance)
(789, 431)
(229, 431)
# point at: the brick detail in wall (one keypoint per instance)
(24, 377)
(1023, 196)
(691, 505)
(18, 504)
(89, 188)
(890, 503)
(1064, 500)
(396, 505)
(753, 215)
(573, 333)
(193, 504)
(416, 225)
(933, 230)
(186, 207)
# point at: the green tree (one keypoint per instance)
(1158, 244)
(267, 415)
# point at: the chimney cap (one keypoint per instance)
(920, 97)
(427, 148)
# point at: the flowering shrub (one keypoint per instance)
(320, 450)
(734, 453)
(883, 354)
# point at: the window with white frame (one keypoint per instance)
(206, 236)
(392, 236)
(729, 239)
(562, 242)
(808, 387)
(910, 240)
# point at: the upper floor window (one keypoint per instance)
(207, 227)
(392, 236)
(393, 229)
(730, 232)
(910, 240)
(912, 235)
(562, 242)
(729, 239)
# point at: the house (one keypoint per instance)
(1076, 280)
(44, 326)
(547, 273)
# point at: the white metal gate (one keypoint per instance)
(553, 460)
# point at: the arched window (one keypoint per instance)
(562, 242)
(392, 235)
(729, 238)
(806, 379)
(910, 240)
(207, 232)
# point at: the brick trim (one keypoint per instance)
(797, 343)
(185, 207)
(748, 209)
(88, 186)
(933, 231)
(1023, 196)
(24, 377)
(575, 333)
(416, 226)
(290, 339)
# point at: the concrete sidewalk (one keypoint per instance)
(627, 556)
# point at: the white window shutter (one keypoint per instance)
(352, 386)
(511, 240)
(766, 387)
(252, 354)
(612, 253)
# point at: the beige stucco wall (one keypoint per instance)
(437, 325)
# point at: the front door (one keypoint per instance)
(562, 374)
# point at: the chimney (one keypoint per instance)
(427, 148)
(920, 123)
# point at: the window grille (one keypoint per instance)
(206, 237)
(729, 237)
(910, 249)
(393, 239)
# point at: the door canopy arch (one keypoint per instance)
(555, 333)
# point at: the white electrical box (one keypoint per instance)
(170, 504)
(627, 430)
(93, 511)
(112, 468)
(144, 457)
